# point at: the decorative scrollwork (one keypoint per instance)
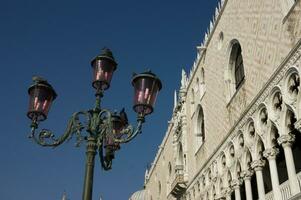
(47, 137)
(130, 133)
(99, 126)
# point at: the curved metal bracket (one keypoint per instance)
(46, 137)
(130, 132)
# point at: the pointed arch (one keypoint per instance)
(249, 132)
(261, 117)
(246, 159)
(180, 154)
(223, 161)
(275, 103)
(288, 119)
(237, 169)
(234, 74)
(291, 85)
(230, 154)
(240, 141)
(272, 135)
(259, 148)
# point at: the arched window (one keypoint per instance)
(159, 187)
(192, 97)
(180, 156)
(239, 65)
(169, 169)
(200, 129)
(235, 72)
(201, 82)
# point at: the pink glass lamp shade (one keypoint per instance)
(146, 88)
(103, 66)
(41, 96)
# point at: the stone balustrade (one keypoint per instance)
(284, 189)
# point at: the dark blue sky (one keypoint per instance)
(57, 39)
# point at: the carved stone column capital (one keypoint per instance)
(257, 165)
(271, 153)
(286, 140)
(235, 184)
(247, 174)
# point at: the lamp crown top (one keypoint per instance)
(40, 81)
(106, 53)
(148, 73)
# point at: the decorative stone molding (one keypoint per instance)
(257, 165)
(286, 140)
(235, 184)
(271, 153)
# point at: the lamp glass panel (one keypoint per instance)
(40, 102)
(146, 91)
(103, 72)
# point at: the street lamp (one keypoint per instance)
(105, 131)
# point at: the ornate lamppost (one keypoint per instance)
(105, 131)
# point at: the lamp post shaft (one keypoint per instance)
(90, 156)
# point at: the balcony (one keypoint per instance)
(178, 186)
(285, 191)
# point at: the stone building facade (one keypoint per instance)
(235, 132)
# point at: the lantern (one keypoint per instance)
(146, 87)
(117, 127)
(104, 66)
(41, 95)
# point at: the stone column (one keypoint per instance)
(257, 165)
(247, 175)
(286, 141)
(271, 155)
(236, 186)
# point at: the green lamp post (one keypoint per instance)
(103, 131)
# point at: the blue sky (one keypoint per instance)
(57, 40)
